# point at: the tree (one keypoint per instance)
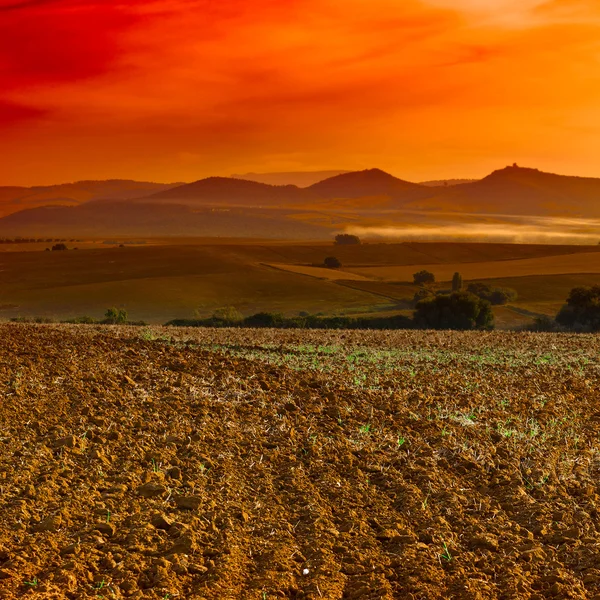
(331, 262)
(423, 277)
(59, 247)
(457, 282)
(345, 239)
(422, 294)
(582, 310)
(264, 319)
(116, 316)
(459, 310)
(228, 314)
(495, 295)
(502, 295)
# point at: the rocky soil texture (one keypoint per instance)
(218, 464)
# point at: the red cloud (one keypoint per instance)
(12, 113)
(53, 41)
(237, 84)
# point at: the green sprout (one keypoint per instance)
(446, 554)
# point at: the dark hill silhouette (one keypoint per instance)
(233, 192)
(231, 207)
(521, 191)
(126, 218)
(226, 191)
(13, 198)
(371, 182)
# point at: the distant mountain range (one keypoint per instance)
(225, 206)
(226, 191)
(520, 191)
(14, 198)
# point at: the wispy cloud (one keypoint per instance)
(422, 89)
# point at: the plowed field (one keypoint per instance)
(224, 464)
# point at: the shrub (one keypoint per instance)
(59, 247)
(503, 295)
(495, 295)
(345, 239)
(582, 310)
(115, 316)
(264, 319)
(331, 262)
(84, 320)
(545, 324)
(39, 320)
(422, 294)
(423, 277)
(459, 310)
(228, 314)
(479, 289)
(307, 321)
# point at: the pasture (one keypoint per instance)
(167, 279)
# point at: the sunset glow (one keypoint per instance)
(178, 90)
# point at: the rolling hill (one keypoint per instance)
(369, 201)
(227, 191)
(371, 182)
(13, 199)
(108, 218)
(520, 191)
(239, 192)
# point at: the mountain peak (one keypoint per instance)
(370, 182)
(220, 190)
(512, 170)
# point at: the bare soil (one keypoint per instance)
(186, 464)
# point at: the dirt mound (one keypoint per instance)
(242, 464)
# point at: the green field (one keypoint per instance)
(159, 282)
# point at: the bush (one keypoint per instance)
(422, 294)
(115, 316)
(544, 324)
(494, 295)
(264, 319)
(503, 296)
(59, 247)
(84, 320)
(345, 239)
(459, 310)
(331, 262)
(423, 277)
(228, 314)
(305, 322)
(39, 320)
(582, 310)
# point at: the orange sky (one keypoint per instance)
(173, 90)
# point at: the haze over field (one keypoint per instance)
(179, 129)
(513, 204)
(252, 254)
